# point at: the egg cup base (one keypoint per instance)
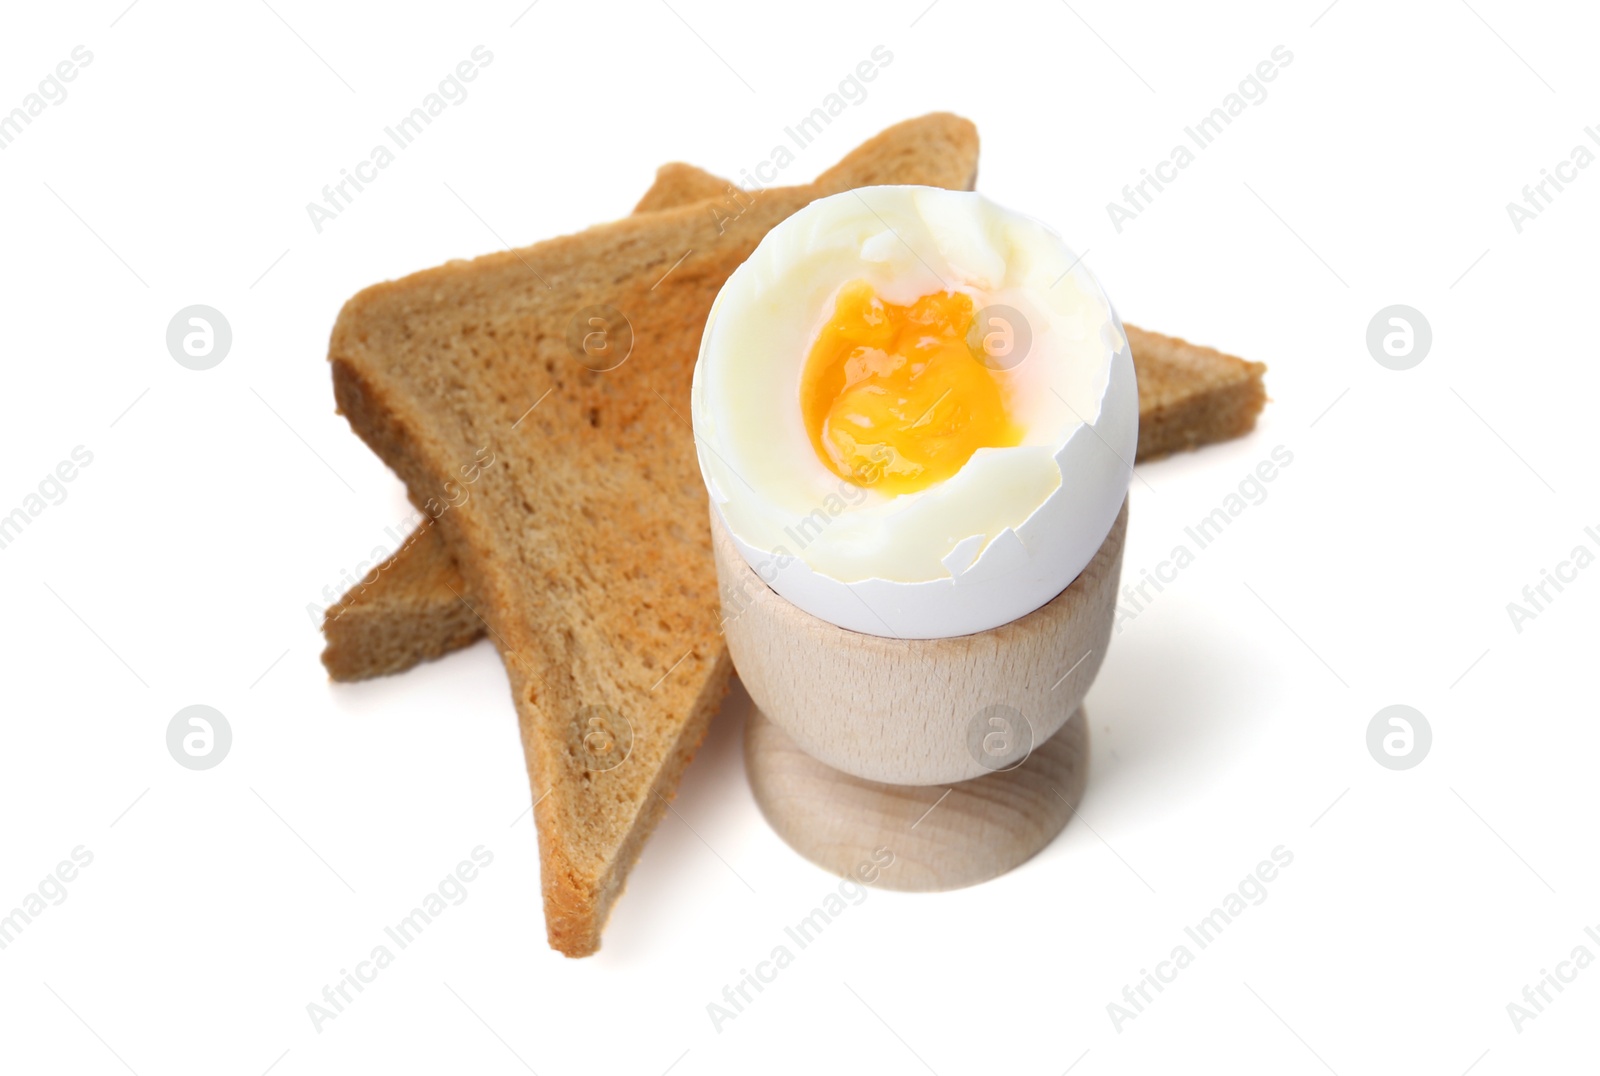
(916, 838)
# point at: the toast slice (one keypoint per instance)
(679, 184)
(414, 608)
(571, 499)
(1190, 395)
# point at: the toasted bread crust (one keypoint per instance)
(679, 184)
(583, 538)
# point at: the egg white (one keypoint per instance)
(994, 541)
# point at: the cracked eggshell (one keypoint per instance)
(1015, 525)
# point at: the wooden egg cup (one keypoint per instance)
(962, 757)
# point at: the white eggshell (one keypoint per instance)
(993, 542)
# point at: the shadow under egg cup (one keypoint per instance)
(959, 757)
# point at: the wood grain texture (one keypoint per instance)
(940, 838)
(917, 711)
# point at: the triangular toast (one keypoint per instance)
(414, 607)
(571, 499)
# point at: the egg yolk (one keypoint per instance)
(895, 397)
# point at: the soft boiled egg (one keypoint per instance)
(915, 412)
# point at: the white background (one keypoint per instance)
(1230, 716)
